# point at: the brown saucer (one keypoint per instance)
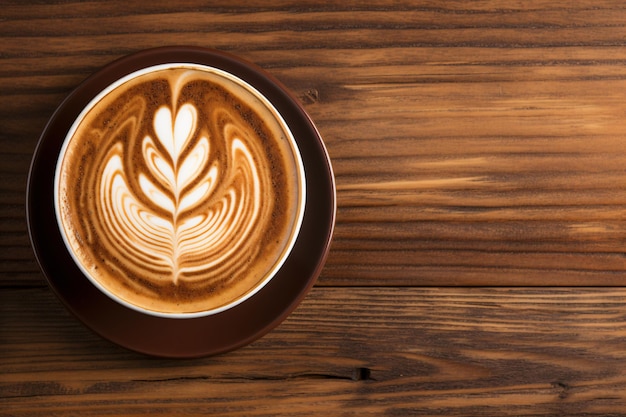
(171, 337)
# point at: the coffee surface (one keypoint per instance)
(178, 190)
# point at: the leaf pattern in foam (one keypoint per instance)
(174, 176)
(174, 182)
(175, 137)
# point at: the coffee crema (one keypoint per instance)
(179, 190)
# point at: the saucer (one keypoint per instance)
(176, 337)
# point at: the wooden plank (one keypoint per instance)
(473, 143)
(365, 351)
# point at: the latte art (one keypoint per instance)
(179, 191)
(164, 230)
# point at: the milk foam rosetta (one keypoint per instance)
(179, 191)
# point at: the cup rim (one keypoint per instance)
(299, 167)
(193, 336)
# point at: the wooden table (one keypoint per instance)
(478, 265)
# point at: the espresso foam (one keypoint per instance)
(179, 190)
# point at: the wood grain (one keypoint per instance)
(478, 262)
(472, 144)
(366, 351)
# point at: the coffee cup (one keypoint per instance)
(180, 190)
(187, 186)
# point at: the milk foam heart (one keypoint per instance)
(180, 190)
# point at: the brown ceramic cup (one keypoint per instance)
(117, 278)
